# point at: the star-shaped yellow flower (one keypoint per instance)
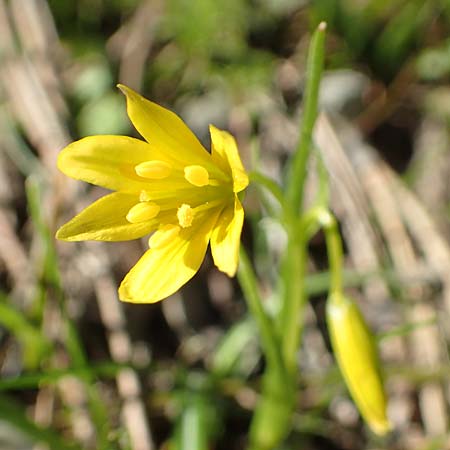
(170, 186)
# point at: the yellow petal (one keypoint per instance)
(224, 152)
(226, 236)
(107, 161)
(357, 357)
(105, 220)
(164, 269)
(163, 235)
(164, 129)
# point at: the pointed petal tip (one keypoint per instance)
(381, 427)
(126, 295)
(127, 91)
(122, 88)
(123, 294)
(224, 145)
(61, 160)
(61, 235)
(230, 271)
(240, 179)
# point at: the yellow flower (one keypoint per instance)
(357, 358)
(170, 186)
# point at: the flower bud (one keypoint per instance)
(357, 357)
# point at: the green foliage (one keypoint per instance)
(236, 48)
(13, 413)
(382, 34)
(433, 63)
(198, 421)
(105, 115)
(36, 346)
(205, 30)
(228, 356)
(400, 35)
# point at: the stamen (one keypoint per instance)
(155, 170)
(208, 205)
(163, 236)
(145, 196)
(196, 175)
(185, 215)
(141, 212)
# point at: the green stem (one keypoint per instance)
(290, 320)
(290, 316)
(334, 249)
(314, 68)
(320, 217)
(268, 184)
(294, 272)
(271, 420)
(247, 280)
(194, 430)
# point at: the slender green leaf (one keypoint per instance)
(13, 413)
(297, 169)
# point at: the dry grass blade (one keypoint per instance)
(133, 409)
(131, 44)
(350, 204)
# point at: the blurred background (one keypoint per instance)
(81, 370)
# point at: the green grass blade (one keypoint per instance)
(35, 345)
(232, 346)
(51, 277)
(12, 413)
(49, 377)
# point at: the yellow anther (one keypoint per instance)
(155, 170)
(185, 215)
(196, 175)
(163, 236)
(142, 212)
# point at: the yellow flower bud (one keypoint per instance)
(357, 357)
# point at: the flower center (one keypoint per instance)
(145, 196)
(185, 215)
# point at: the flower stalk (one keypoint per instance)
(270, 345)
(272, 419)
(353, 344)
(294, 265)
